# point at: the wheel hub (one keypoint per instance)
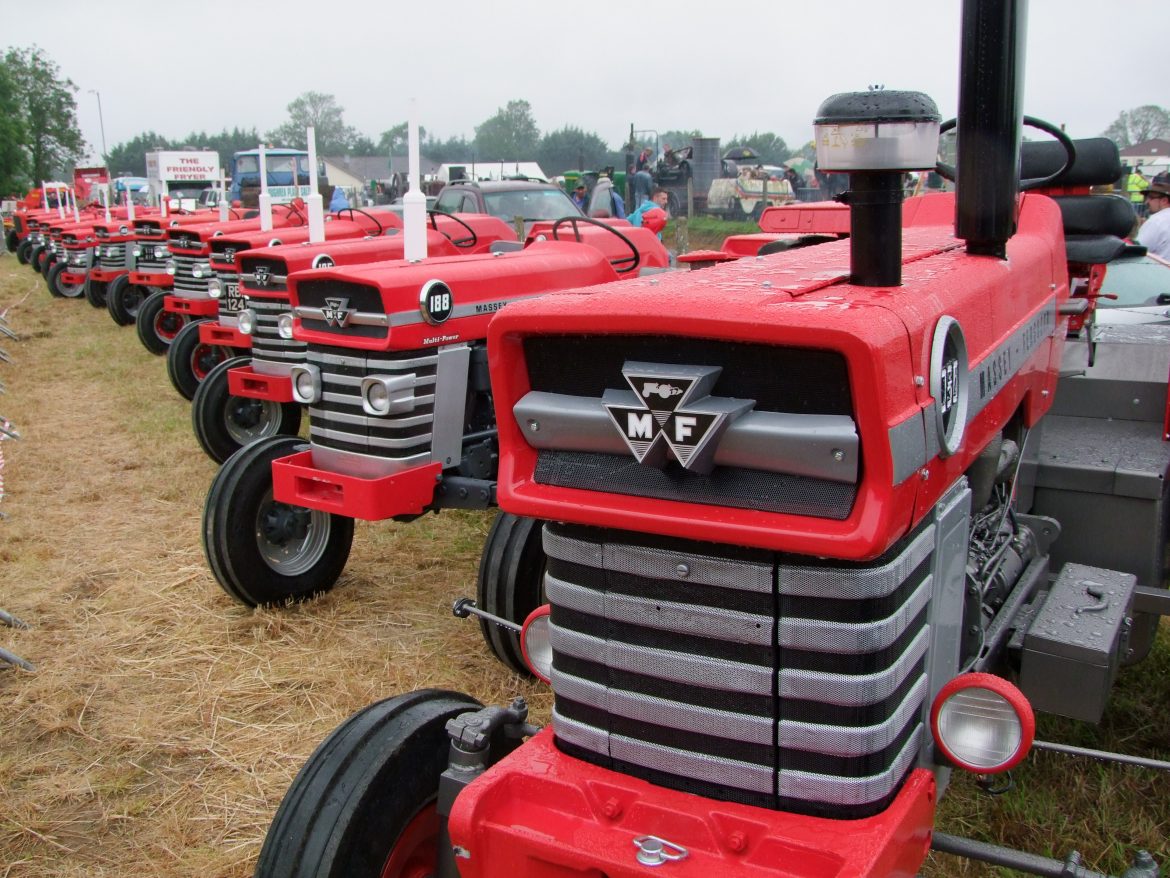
(245, 412)
(282, 523)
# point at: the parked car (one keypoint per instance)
(508, 199)
(1141, 287)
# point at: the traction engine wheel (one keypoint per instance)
(510, 583)
(123, 300)
(22, 251)
(157, 327)
(225, 423)
(263, 552)
(95, 292)
(363, 805)
(190, 360)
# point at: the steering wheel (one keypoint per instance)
(467, 241)
(634, 260)
(947, 172)
(291, 209)
(370, 217)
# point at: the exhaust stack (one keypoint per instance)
(414, 211)
(316, 209)
(876, 136)
(223, 204)
(265, 198)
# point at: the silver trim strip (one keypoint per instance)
(357, 318)
(856, 583)
(854, 740)
(853, 690)
(850, 791)
(856, 638)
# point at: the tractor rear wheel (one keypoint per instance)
(190, 360)
(60, 289)
(363, 805)
(156, 326)
(123, 300)
(22, 251)
(225, 423)
(263, 552)
(510, 583)
(95, 292)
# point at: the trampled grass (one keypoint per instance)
(164, 721)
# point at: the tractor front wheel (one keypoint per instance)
(156, 326)
(264, 552)
(363, 805)
(190, 360)
(510, 583)
(11, 241)
(123, 300)
(22, 251)
(58, 288)
(36, 257)
(225, 423)
(95, 292)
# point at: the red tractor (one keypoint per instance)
(796, 541)
(400, 411)
(246, 398)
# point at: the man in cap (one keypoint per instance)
(1155, 232)
(579, 197)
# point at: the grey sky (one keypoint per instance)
(721, 68)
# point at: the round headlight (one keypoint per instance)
(214, 288)
(284, 326)
(247, 321)
(136, 250)
(123, 230)
(170, 266)
(306, 383)
(377, 398)
(982, 723)
(201, 271)
(536, 643)
(160, 251)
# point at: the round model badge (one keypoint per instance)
(949, 384)
(435, 302)
(323, 260)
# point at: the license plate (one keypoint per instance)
(232, 300)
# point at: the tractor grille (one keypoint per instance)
(338, 421)
(366, 317)
(186, 284)
(742, 675)
(265, 274)
(272, 354)
(783, 380)
(113, 256)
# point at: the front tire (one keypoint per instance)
(225, 423)
(190, 360)
(266, 553)
(363, 805)
(36, 257)
(11, 241)
(95, 292)
(156, 326)
(60, 290)
(22, 251)
(123, 299)
(510, 583)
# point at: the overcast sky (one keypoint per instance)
(722, 68)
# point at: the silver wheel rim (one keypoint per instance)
(293, 557)
(267, 425)
(70, 291)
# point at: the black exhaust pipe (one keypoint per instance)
(989, 122)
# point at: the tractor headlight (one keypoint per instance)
(246, 321)
(136, 250)
(214, 288)
(203, 270)
(536, 642)
(982, 723)
(306, 383)
(284, 326)
(387, 394)
(170, 266)
(160, 251)
(123, 230)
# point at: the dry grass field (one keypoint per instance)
(164, 721)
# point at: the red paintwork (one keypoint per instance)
(807, 218)
(295, 480)
(243, 381)
(73, 277)
(650, 248)
(212, 333)
(191, 307)
(802, 299)
(542, 814)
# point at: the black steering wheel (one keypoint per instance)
(634, 260)
(467, 241)
(947, 172)
(291, 210)
(352, 210)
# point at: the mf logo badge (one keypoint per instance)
(184, 242)
(337, 312)
(671, 411)
(229, 254)
(264, 276)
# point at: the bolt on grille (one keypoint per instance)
(740, 674)
(272, 354)
(113, 256)
(338, 420)
(186, 284)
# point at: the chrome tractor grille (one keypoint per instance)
(271, 354)
(741, 675)
(342, 308)
(783, 386)
(113, 256)
(187, 284)
(338, 421)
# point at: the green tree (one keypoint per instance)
(13, 177)
(394, 141)
(1139, 124)
(510, 134)
(454, 149)
(362, 145)
(571, 147)
(48, 113)
(770, 147)
(129, 158)
(322, 112)
(677, 139)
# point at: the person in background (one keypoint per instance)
(659, 198)
(338, 201)
(1135, 186)
(579, 197)
(794, 181)
(1154, 234)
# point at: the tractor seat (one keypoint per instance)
(1094, 225)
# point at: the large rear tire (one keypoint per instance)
(123, 299)
(190, 360)
(266, 553)
(156, 326)
(363, 805)
(225, 423)
(510, 583)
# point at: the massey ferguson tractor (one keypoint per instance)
(792, 558)
(249, 398)
(401, 420)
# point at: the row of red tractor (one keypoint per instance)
(783, 534)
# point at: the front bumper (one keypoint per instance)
(216, 334)
(191, 307)
(295, 480)
(247, 382)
